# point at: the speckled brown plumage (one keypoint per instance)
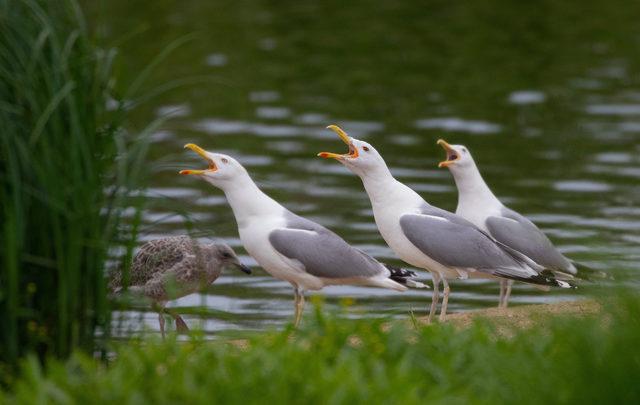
(170, 268)
(174, 267)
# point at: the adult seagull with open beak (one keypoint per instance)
(478, 205)
(290, 247)
(428, 237)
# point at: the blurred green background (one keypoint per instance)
(546, 95)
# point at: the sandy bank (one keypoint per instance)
(523, 316)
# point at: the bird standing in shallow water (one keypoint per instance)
(428, 237)
(289, 247)
(478, 205)
(170, 268)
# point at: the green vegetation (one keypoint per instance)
(67, 169)
(333, 360)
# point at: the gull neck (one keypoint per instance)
(383, 189)
(472, 189)
(247, 200)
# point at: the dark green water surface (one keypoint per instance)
(546, 94)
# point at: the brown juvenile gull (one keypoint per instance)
(289, 247)
(170, 268)
(431, 238)
(478, 204)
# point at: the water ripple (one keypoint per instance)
(455, 124)
(585, 186)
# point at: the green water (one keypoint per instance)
(545, 94)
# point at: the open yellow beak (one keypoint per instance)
(203, 153)
(353, 152)
(452, 155)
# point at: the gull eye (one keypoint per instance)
(464, 150)
(225, 160)
(366, 149)
(226, 255)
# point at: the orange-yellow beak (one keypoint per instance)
(452, 155)
(353, 152)
(203, 153)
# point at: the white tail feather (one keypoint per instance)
(416, 284)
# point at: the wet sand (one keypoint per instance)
(525, 315)
(518, 317)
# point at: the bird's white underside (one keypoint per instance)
(390, 200)
(476, 201)
(257, 216)
(254, 234)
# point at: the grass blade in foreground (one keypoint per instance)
(65, 174)
(558, 359)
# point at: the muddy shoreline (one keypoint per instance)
(525, 315)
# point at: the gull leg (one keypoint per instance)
(445, 300)
(181, 325)
(296, 298)
(507, 294)
(299, 296)
(503, 288)
(434, 296)
(159, 306)
(161, 322)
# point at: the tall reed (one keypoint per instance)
(67, 169)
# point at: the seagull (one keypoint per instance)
(290, 247)
(478, 205)
(431, 238)
(173, 267)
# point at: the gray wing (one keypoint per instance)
(519, 233)
(322, 252)
(454, 242)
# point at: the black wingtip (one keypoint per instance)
(243, 268)
(404, 276)
(544, 278)
(398, 274)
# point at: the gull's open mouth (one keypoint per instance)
(203, 153)
(353, 152)
(452, 155)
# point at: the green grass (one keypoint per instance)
(67, 168)
(333, 360)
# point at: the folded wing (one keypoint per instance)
(322, 252)
(519, 233)
(456, 243)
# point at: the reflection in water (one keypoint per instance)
(454, 124)
(527, 97)
(581, 186)
(552, 118)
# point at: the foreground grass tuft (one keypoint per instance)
(332, 360)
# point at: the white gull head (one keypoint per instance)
(362, 158)
(459, 159)
(227, 174)
(223, 170)
(475, 199)
(385, 192)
